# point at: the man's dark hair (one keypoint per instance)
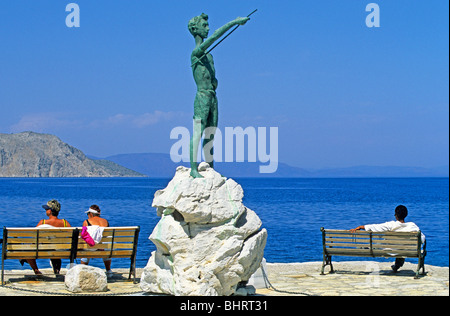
(401, 212)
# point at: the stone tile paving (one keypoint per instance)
(356, 278)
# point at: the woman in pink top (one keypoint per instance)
(94, 219)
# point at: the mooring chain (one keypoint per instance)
(68, 294)
(269, 285)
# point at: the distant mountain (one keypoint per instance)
(151, 164)
(382, 172)
(161, 166)
(30, 154)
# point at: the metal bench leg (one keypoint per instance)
(417, 273)
(418, 269)
(133, 269)
(133, 256)
(3, 254)
(423, 265)
(3, 273)
(132, 272)
(420, 265)
(326, 261)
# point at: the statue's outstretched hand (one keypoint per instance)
(242, 21)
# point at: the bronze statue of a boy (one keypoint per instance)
(205, 104)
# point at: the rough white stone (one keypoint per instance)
(84, 278)
(207, 241)
(257, 280)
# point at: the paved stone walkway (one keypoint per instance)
(25, 283)
(355, 278)
(362, 278)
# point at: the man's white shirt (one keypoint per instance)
(394, 226)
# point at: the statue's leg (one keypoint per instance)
(212, 126)
(210, 130)
(201, 112)
(208, 147)
(195, 141)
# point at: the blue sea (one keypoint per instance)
(292, 210)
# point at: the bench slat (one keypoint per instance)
(109, 234)
(395, 246)
(397, 241)
(41, 240)
(106, 246)
(348, 245)
(42, 234)
(374, 245)
(367, 237)
(374, 242)
(41, 247)
(395, 253)
(41, 255)
(368, 253)
(122, 239)
(116, 239)
(364, 232)
(103, 254)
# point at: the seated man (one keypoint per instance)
(394, 226)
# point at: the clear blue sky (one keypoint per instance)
(341, 94)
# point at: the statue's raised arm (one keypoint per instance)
(203, 47)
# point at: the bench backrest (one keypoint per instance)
(66, 243)
(117, 242)
(33, 243)
(371, 244)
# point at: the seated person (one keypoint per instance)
(52, 209)
(94, 219)
(394, 226)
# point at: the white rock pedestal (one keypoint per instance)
(83, 278)
(207, 241)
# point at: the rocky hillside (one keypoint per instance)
(30, 154)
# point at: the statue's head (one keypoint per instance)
(198, 25)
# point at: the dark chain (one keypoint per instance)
(269, 285)
(69, 294)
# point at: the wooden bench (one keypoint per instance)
(373, 244)
(66, 243)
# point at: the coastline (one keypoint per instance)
(352, 278)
